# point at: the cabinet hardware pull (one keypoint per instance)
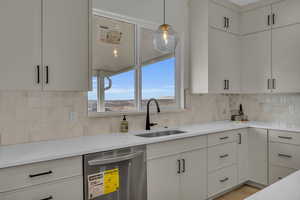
(228, 87)
(48, 198)
(47, 74)
(183, 165)
(40, 174)
(274, 83)
(228, 22)
(269, 84)
(224, 180)
(224, 156)
(273, 18)
(240, 138)
(285, 137)
(225, 22)
(225, 84)
(284, 155)
(38, 74)
(224, 138)
(179, 166)
(269, 20)
(279, 178)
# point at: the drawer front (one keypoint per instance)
(28, 175)
(222, 156)
(221, 138)
(277, 173)
(285, 137)
(68, 189)
(222, 180)
(285, 155)
(176, 146)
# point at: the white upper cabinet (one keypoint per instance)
(286, 59)
(223, 62)
(66, 44)
(256, 63)
(215, 53)
(286, 12)
(256, 20)
(223, 18)
(20, 49)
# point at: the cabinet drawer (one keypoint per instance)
(285, 137)
(221, 138)
(277, 173)
(222, 180)
(28, 175)
(285, 155)
(68, 189)
(221, 156)
(175, 146)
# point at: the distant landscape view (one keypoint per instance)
(120, 97)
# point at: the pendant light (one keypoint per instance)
(165, 38)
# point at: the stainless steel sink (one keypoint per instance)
(161, 133)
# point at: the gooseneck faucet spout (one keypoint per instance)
(148, 124)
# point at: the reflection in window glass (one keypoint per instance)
(121, 95)
(93, 96)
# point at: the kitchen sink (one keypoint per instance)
(161, 133)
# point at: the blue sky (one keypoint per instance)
(158, 80)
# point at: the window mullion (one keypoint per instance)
(138, 78)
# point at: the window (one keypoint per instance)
(128, 71)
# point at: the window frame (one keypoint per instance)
(179, 83)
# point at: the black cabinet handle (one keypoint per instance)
(285, 137)
(269, 84)
(284, 155)
(225, 22)
(224, 180)
(225, 84)
(273, 19)
(224, 138)
(274, 83)
(48, 198)
(38, 80)
(228, 22)
(179, 166)
(183, 165)
(40, 174)
(240, 138)
(47, 75)
(224, 156)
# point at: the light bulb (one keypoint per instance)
(165, 36)
(115, 53)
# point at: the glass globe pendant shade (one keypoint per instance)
(165, 39)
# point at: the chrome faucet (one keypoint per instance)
(148, 124)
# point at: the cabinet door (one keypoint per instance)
(256, 20)
(20, 49)
(224, 61)
(256, 62)
(163, 178)
(258, 155)
(217, 15)
(286, 12)
(286, 59)
(242, 151)
(194, 178)
(66, 44)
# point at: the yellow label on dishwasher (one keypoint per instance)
(111, 180)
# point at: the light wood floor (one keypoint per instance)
(239, 194)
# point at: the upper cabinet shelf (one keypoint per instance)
(44, 47)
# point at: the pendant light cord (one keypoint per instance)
(164, 11)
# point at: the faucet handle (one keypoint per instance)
(153, 124)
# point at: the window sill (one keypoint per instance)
(134, 113)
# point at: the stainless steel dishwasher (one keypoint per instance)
(116, 175)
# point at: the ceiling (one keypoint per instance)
(243, 2)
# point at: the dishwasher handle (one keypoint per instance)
(104, 161)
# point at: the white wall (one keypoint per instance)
(152, 11)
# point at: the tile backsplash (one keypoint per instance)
(38, 116)
(280, 109)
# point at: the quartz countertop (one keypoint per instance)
(285, 189)
(21, 154)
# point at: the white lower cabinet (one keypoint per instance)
(68, 189)
(222, 180)
(277, 173)
(258, 155)
(177, 176)
(242, 158)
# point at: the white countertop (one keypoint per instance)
(21, 154)
(285, 189)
